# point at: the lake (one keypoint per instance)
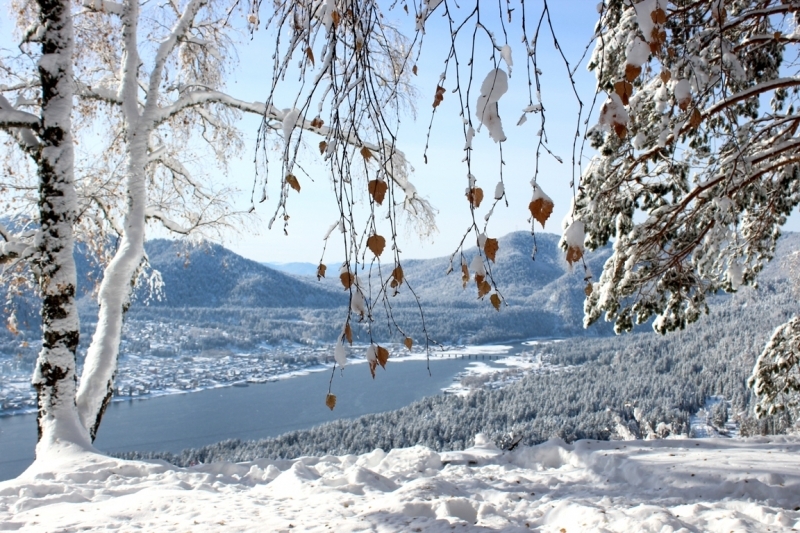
(175, 422)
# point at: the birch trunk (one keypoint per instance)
(54, 376)
(97, 383)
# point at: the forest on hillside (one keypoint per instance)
(642, 385)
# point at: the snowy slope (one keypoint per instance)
(715, 485)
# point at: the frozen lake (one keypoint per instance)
(179, 421)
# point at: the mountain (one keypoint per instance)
(209, 284)
(209, 275)
(296, 269)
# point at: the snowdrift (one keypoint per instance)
(663, 485)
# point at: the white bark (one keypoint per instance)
(115, 290)
(54, 377)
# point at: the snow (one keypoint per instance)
(494, 86)
(574, 235)
(715, 485)
(638, 52)
(644, 11)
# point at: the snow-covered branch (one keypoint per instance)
(104, 6)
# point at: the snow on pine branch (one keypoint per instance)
(696, 168)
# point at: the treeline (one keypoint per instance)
(640, 384)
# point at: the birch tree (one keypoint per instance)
(46, 138)
(155, 77)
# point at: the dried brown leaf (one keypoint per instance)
(495, 299)
(377, 189)
(541, 209)
(624, 90)
(414, 70)
(310, 55)
(292, 181)
(439, 96)
(383, 356)
(464, 275)
(330, 401)
(484, 288)
(665, 76)
(335, 17)
(632, 72)
(621, 130)
(347, 279)
(321, 271)
(376, 244)
(366, 153)
(322, 147)
(475, 197)
(408, 342)
(659, 16)
(588, 289)
(372, 366)
(397, 276)
(696, 118)
(317, 123)
(348, 333)
(574, 255)
(490, 248)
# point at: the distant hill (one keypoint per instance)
(209, 275)
(297, 269)
(209, 284)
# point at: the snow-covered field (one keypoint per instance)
(715, 485)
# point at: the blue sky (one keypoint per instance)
(444, 179)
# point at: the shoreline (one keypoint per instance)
(500, 351)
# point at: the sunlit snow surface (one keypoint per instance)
(664, 485)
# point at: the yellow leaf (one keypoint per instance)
(495, 299)
(475, 196)
(292, 181)
(310, 54)
(408, 342)
(322, 147)
(348, 333)
(321, 271)
(376, 244)
(490, 248)
(377, 189)
(574, 255)
(330, 401)
(366, 153)
(541, 209)
(347, 279)
(383, 356)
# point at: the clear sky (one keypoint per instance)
(444, 178)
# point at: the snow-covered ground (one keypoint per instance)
(714, 485)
